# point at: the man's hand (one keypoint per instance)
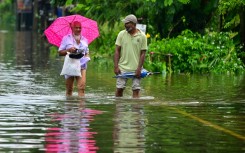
(72, 50)
(117, 70)
(138, 73)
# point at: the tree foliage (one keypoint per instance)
(233, 7)
(168, 19)
(233, 17)
(6, 14)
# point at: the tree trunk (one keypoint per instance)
(35, 12)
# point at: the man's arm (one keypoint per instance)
(116, 60)
(64, 52)
(141, 62)
(62, 49)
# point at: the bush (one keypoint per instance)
(193, 53)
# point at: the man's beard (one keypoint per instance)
(129, 29)
(77, 37)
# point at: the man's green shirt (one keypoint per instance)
(131, 47)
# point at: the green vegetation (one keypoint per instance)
(184, 36)
(201, 36)
(6, 14)
(191, 52)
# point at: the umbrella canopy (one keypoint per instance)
(144, 73)
(61, 27)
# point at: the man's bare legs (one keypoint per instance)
(136, 93)
(119, 92)
(69, 86)
(81, 83)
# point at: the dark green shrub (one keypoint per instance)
(191, 52)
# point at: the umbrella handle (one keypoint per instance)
(142, 75)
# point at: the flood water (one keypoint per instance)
(175, 114)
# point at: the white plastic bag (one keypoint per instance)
(71, 67)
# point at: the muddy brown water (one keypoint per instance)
(175, 114)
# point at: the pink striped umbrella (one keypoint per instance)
(61, 27)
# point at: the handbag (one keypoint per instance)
(76, 55)
(71, 66)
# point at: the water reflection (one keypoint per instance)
(23, 48)
(74, 133)
(129, 128)
(2, 42)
